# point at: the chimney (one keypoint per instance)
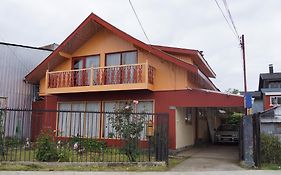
(271, 68)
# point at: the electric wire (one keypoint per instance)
(230, 17)
(139, 21)
(229, 25)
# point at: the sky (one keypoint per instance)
(191, 24)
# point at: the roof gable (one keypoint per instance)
(265, 77)
(196, 55)
(80, 35)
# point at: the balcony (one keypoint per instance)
(111, 78)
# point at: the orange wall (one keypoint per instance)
(168, 76)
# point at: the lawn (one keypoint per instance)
(36, 166)
(270, 167)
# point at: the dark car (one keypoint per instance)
(227, 133)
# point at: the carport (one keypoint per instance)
(200, 112)
(196, 116)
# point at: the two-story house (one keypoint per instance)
(98, 67)
(269, 91)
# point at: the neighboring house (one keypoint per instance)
(271, 121)
(269, 92)
(99, 67)
(15, 62)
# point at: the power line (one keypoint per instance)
(230, 17)
(139, 22)
(229, 25)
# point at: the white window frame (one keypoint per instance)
(69, 131)
(271, 100)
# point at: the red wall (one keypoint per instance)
(164, 102)
(266, 101)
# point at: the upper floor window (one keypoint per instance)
(275, 100)
(86, 62)
(82, 77)
(121, 58)
(274, 85)
(120, 73)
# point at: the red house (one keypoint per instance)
(99, 67)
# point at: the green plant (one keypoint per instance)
(270, 149)
(94, 145)
(234, 119)
(64, 154)
(88, 144)
(12, 142)
(129, 127)
(46, 148)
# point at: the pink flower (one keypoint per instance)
(135, 102)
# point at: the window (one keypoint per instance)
(117, 75)
(3, 102)
(275, 84)
(275, 100)
(82, 77)
(111, 106)
(90, 124)
(85, 124)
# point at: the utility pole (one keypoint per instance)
(242, 43)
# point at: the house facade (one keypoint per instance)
(269, 92)
(99, 68)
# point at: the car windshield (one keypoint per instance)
(228, 128)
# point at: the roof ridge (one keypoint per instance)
(24, 46)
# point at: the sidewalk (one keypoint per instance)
(246, 172)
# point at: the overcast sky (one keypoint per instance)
(189, 24)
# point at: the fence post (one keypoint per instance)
(248, 146)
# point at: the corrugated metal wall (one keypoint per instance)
(15, 63)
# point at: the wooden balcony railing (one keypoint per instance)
(111, 75)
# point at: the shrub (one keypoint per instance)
(88, 144)
(270, 149)
(234, 119)
(64, 155)
(94, 145)
(12, 142)
(46, 148)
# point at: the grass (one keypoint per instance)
(45, 167)
(270, 167)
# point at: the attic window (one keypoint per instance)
(274, 85)
(275, 100)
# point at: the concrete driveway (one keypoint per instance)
(210, 158)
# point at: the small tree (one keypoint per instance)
(234, 119)
(232, 91)
(128, 126)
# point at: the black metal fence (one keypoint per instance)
(76, 136)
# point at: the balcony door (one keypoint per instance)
(120, 73)
(82, 76)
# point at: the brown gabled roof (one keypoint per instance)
(80, 35)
